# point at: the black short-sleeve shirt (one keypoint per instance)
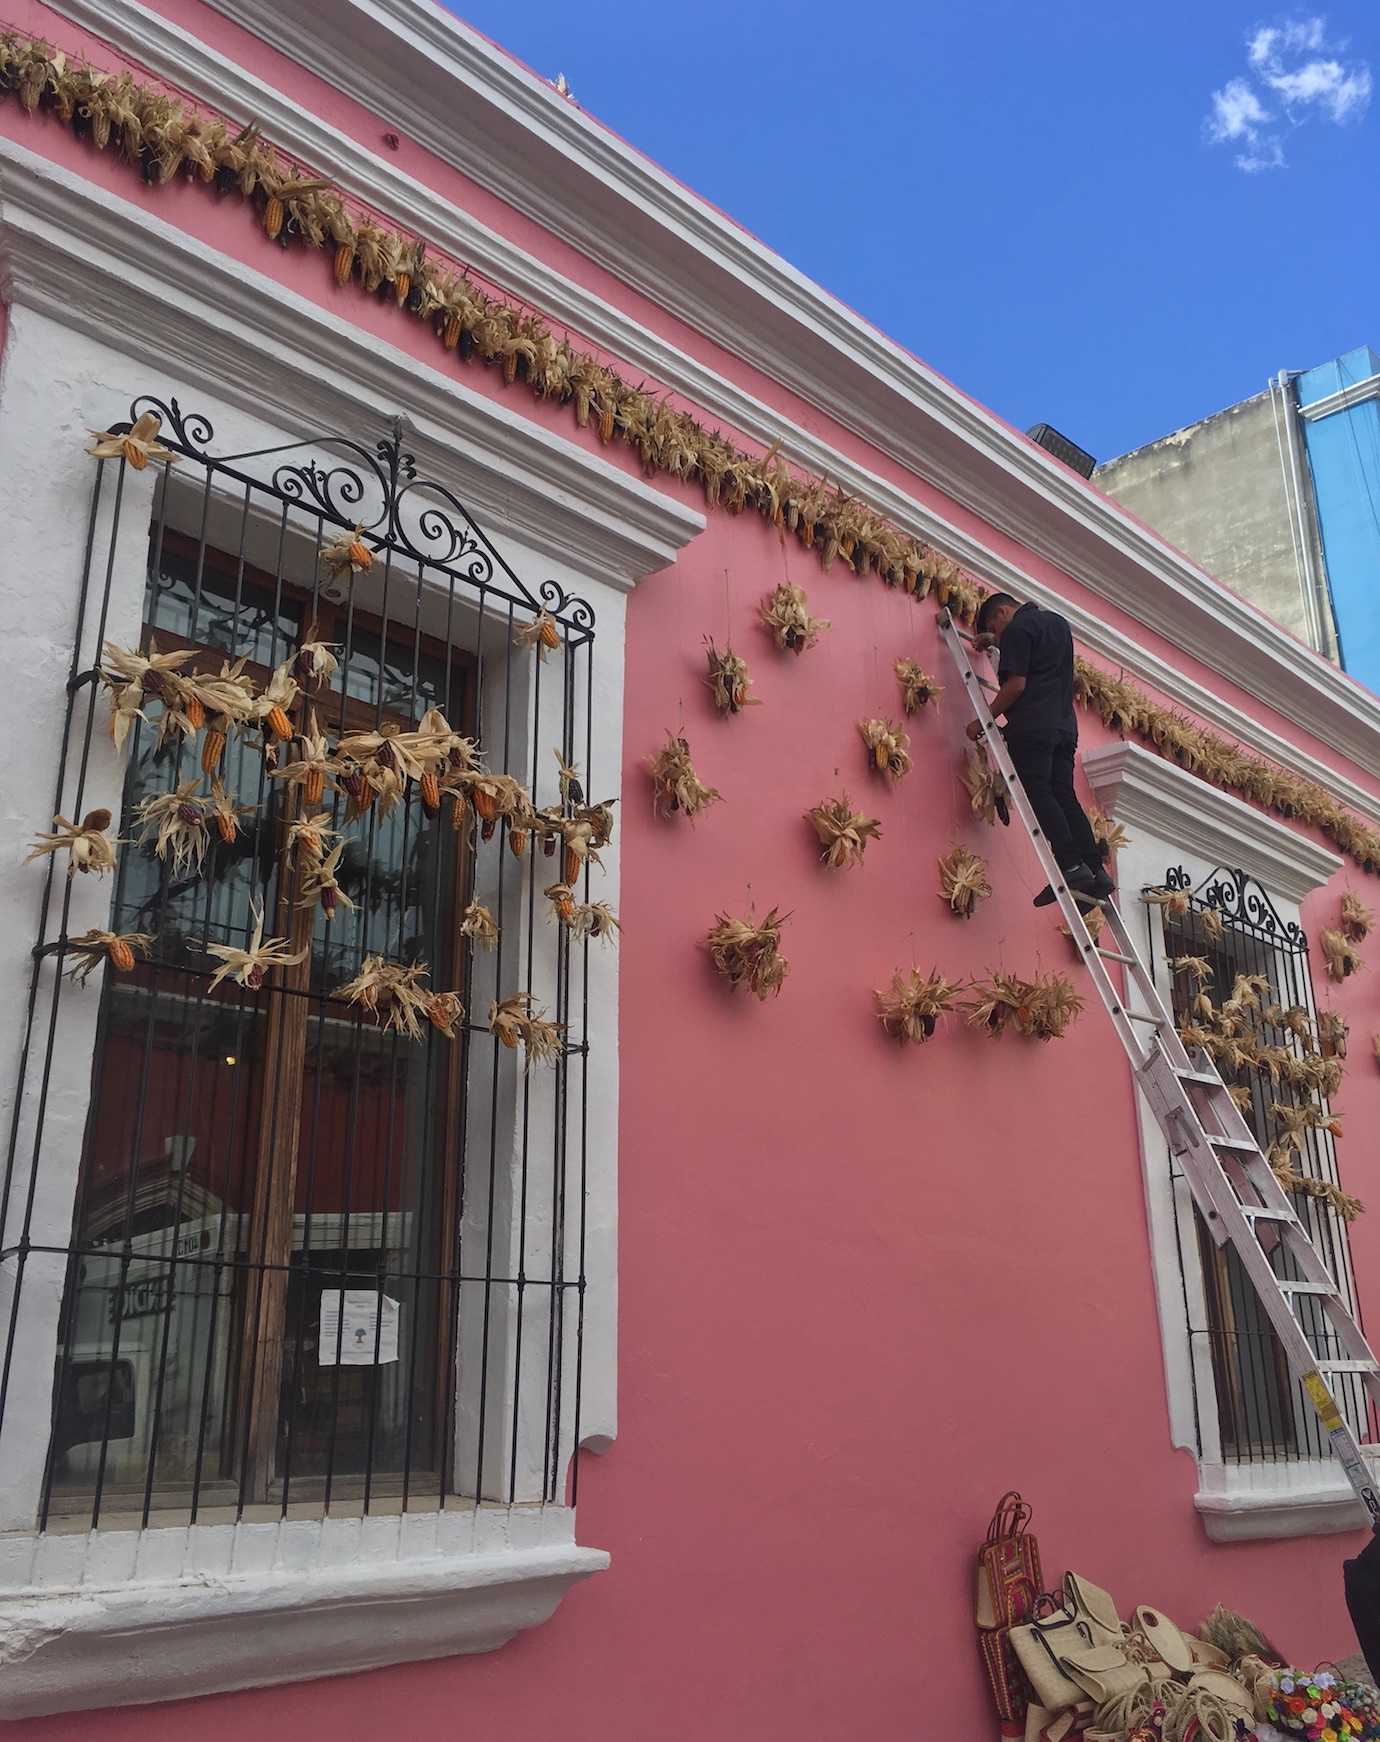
(1038, 646)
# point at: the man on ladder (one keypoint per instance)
(1035, 677)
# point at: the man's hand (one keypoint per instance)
(975, 730)
(983, 642)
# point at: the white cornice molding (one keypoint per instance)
(184, 61)
(515, 136)
(105, 266)
(97, 1645)
(1142, 790)
(1341, 399)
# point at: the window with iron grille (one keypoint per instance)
(318, 1259)
(1229, 921)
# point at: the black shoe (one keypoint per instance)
(1079, 879)
(1103, 887)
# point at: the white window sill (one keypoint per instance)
(127, 1617)
(1244, 1503)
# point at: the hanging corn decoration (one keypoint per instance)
(728, 680)
(918, 688)
(1342, 961)
(910, 1008)
(94, 948)
(842, 832)
(1357, 919)
(786, 613)
(749, 954)
(479, 926)
(136, 446)
(542, 633)
(85, 843)
(250, 967)
(562, 900)
(348, 554)
(963, 882)
(888, 747)
(676, 787)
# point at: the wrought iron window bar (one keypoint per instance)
(502, 1175)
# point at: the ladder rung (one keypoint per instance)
(1144, 1016)
(1262, 1213)
(1318, 1288)
(1349, 1366)
(1247, 1145)
(1116, 956)
(1208, 1079)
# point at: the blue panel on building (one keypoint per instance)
(1343, 447)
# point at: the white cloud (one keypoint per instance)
(1292, 66)
(1237, 112)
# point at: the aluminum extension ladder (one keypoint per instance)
(1241, 1201)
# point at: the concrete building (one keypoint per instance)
(1279, 497)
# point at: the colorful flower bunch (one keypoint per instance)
(1320, 1706)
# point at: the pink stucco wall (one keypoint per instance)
(864, 1290)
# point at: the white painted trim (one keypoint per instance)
(485, 114)
(1258, 1502)
(122, 1618)
(1342, 399)
(1145, 791)
(110, 269)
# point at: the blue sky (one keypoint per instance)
(1029, 197)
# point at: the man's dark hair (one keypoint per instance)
(990, 604)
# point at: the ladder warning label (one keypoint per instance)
(1321, 1399)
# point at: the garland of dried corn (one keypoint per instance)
(166, 137)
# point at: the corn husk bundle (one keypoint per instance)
(321, 888)
(597, 920)
(1291, 1180)
(479, 926)
(1198, 968)
(675, 784)
(986, 789)
(1246, 1001)
(1108, 834)
(918, 688)
(167, 137)
(312, 766)
(728, 680)
(1093, 921)
(513, 1022)
(94, 948)
(496, 798)
(309, 837)
(226, 701)
(843, 833)
(994, 1004)
(1356, 920)
(250, 967)
(1333, 1033)
(888, 747)
(1049, 1008)
(132, 677)
(910, 1008)
(136, 446)
(963, 882)
(395, 996)
(226, 814)
(347, 554)
(568, 778)
(270, 709)
(1295, 1021)
(177, 825)
(89, 849)
(543, 633)
(316, 662)
(1173, 901)
(786, 612)
(1342, 961)
(749, 954)
(561, 900)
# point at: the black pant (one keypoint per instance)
(1044, 762)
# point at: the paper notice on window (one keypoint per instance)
(359, 1331)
